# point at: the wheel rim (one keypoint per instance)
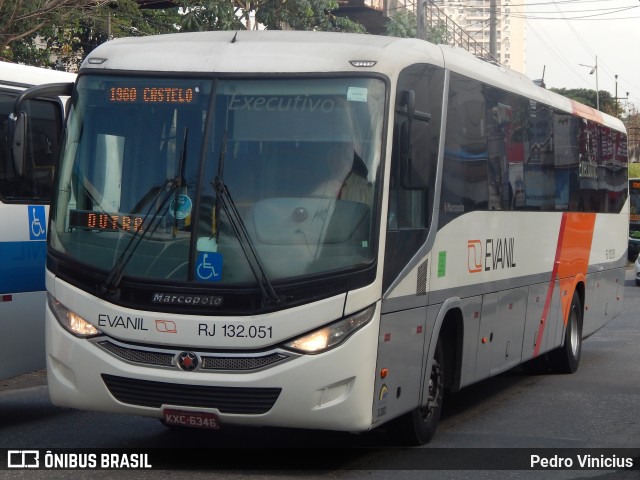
(435, 392)
(574, 339)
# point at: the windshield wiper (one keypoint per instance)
(171, 187)
(180, 181)
(223, 198)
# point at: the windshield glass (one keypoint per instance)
(196, 180)
(634, 200)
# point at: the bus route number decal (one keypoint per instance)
(235, 330)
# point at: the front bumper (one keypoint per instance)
(332, 390)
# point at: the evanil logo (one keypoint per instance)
(491, 254)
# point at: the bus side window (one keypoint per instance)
(6, 105)
(413, 162)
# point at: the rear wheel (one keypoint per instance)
(567, 358)
(419, 426)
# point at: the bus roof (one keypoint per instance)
(313, 52)
(23, 76)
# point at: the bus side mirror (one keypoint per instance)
(19, 142)
(409, 101)
(415, 153)
(18, 120)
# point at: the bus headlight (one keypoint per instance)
(332, 335)
(70, 320)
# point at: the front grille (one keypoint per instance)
(239, 400)
(241, 363)
(209, 361)
(133, 355)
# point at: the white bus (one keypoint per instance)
(318, 230)
(25, 191)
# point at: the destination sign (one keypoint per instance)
(152, 94)
(90, 220)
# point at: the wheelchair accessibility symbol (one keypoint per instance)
(209, 267)
(37, 223)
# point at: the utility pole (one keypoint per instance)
(616, 95)
(617, 105)
(421, 14)
(493, 28)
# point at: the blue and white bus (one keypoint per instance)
(25, 192)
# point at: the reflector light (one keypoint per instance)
(6, 298)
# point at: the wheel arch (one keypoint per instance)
(580, 288)
(449, 326)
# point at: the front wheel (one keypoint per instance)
(567, 358)
(419, 426)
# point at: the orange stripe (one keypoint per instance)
(571, 263)
(587, 112)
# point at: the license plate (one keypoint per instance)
(183, 418)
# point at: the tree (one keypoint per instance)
(272, 14)
(404, 24)
(20, 20)
(588, 97)
(60, 33)
(212, 15)
(66, 35)
(123, 18)
(632, 123)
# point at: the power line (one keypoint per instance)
(606, 71)
(530, 4)
(535, 15)
(583, 17)
(557, 53)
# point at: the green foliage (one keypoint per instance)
(60, 33)
(41, 41)
(209, 15)
(22, 20)
(402, 24)
(318, 15)
(634, 170)
(588, 97)
(438, 34)
(304, 15)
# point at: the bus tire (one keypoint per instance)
(567, 358)
(418, 426)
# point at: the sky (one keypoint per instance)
(562, 34)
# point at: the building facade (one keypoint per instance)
(472, 16)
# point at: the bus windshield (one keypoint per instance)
(634, 201)
(181, 179)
